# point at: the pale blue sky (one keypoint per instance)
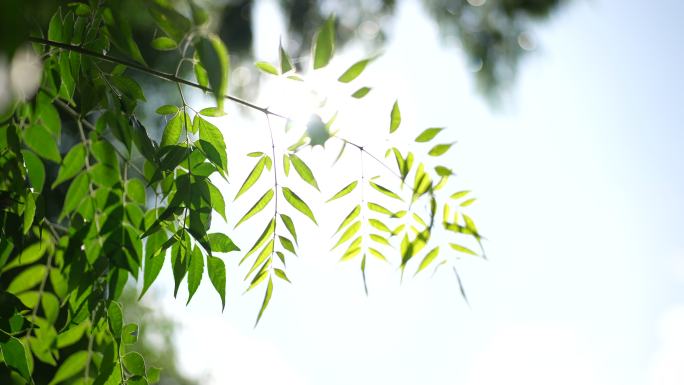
(579, 177)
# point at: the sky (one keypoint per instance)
(578, 179)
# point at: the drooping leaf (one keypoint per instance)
(303, 170)
(349, 218)
(267, 67)
(115, 319)
(212, 112)
(428, 259)
(221, 243)
(15, 355)
(281, 274)
(354, 71)
(252, 177)
(129, 334)
(164, 43)
(167, 110)
(258, 206)
(385, 191)
(440, 149)
(289, 225)
(213, 55)
(217, 202)
(217, 275)
(195, 271)
(267, 299)
(395, 117)
(172, 131)
(428, 134)
(35, 169)
(462, 249)
(324, 44)
(285, 62)
(134, 363)
(27, 279)
(287, 244)
(344, 191)
(348, 234)
(72, 164)
(361, 92)
(297, 202)
(72, 366)
(29, 211)
(42, 142)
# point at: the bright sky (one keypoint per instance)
(579, 180)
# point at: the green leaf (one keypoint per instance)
(297, 202)
(267, 299)
(428, 134)
(263, 255)
(377, 254)
(443, 171)
(199, 16)
(29, 255)
(72, 164)
(286, 164)
(35, 170)
(169, 20)
(29, 212)
(379, 225)
(303, 170)
(267, 67)
(252, 178)
(285, 62)
(217, 276)
(353, 250)
(258, 206)
(129, 334)
(440, 149)
(164, 44)
(354, 71)
(71, 335)
(378, 208)
(268, 230)
(281, 274)
(287, 244)
(153, 265)
(27, 279)
(459, 194)
(213, 55)
(195, 271)
(212, 112)
(462, 249)
(361, 92)
(380, 239)
(289, 225)
(212, 143)
(128, 87)
(324, 44)
(15, 356)
(349, 218)
(344, 191)
(167, 109)
(428, 259)
(73, 365)
(217, 202)
(348, 234)
(385, 191)
(395, 117)
(468, 202)
(38, 139)
(172, 131)
(134, 363)
(153, 374)
(55, 27)
(221, 243)
(115, 319)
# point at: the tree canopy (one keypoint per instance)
(91, 195)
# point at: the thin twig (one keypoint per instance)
(151, 71)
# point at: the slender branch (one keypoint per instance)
(150, 71)
(363, 150)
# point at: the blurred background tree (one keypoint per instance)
(493, 34)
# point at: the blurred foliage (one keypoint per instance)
(494, 34)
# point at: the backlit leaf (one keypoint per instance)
(303, 170)
(267, 67)
(344, 191)
(440, 149)
(395, 117)
(324, 44)
(217, 275)
(214, 58)
(221, 243)
(73, 365)
(289, 225)
(195, 271)
(428, 259)
(354, 71)
(252, 177)
(361, 92)
(385, 191)
(298, 203)
(267, 299)
(428, 134)
(72, 164)
(258, 206)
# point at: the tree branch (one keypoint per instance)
(150, 71)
